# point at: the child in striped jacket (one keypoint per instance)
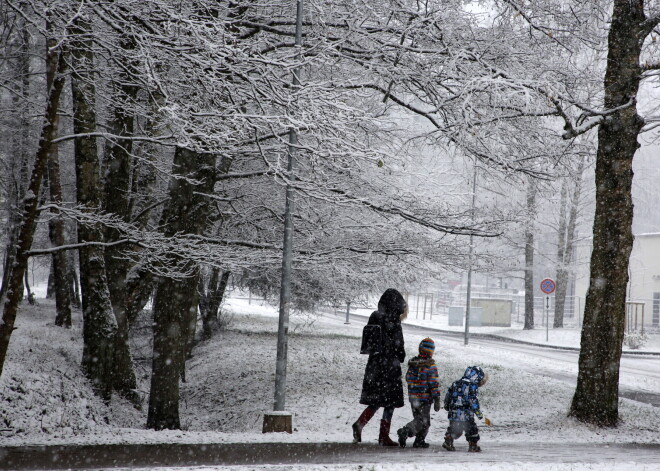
(423, 390)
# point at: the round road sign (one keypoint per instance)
(548, 286)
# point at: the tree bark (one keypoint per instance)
(139, 288)
(560, 294)
(29, 213)
(50, 284)
(74, 285)
(563, 271)
(99, 323)
(186, 212)
(213, 296)
(19, 156)
(596, 396)
(529, 256)
(117, 193)
(59, 263)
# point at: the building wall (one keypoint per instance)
(644, 272)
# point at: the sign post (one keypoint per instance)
(547, 317)
(548, 286)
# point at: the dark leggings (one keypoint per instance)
(388, 412)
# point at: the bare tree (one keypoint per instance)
(30, 203)
(99, 324)
(56, 226)
(530, 216)
(596, 398)
(174, 303)
(613, 112)
(566, 238)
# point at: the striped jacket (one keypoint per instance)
(422, 379)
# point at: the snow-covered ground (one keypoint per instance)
(45, 400)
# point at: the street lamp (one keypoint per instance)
(279, 420)
(470, 256)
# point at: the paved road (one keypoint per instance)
(153, 456)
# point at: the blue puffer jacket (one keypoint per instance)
(461, 399)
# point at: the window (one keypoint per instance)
(656, 309)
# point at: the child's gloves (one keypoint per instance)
(479, 414)
(436, 404)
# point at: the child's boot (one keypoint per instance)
(361, 422)
(403, 433)
(384, 437)
(449, 443)
(474, 447)
(420, 443)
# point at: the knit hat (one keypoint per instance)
(427, 347)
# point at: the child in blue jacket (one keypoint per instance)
(423, 390)
(462, 402)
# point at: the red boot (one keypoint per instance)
(361, 422)
(384, 437)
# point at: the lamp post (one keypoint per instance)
(470, 255)
(280, 420)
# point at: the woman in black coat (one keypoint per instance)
(382, 385)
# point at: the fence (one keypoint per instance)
(426, 305)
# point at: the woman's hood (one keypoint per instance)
(392, 304)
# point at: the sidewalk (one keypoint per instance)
(253, 454)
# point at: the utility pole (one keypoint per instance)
(280, 421)
(470, 256)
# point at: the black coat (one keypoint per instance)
(382, 385)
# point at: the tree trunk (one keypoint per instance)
(50, 284)
(59, 263)
(29, 214)
(190, 329)
(19, 157)
(74, 285)
(26, 283)
(529, 256)
(186, 212)
(563, 271)
(139, 288)
(597, 393)
(205, 302)
(216, 292)
(560, 294)
(99, 324)
(117, 193)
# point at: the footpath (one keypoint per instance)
(255, 454)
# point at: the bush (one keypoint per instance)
(635, 340)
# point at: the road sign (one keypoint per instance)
(548, 286)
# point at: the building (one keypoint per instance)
(644, 283)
